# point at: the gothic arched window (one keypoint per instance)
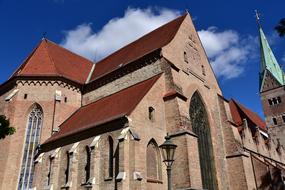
(32, 140)
(200, 126)
(153, 161)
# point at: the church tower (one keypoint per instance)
(271, 90)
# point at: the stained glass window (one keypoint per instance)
(32, 140)
(200, 126)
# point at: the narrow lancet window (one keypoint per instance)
(274, 121)
(67, 171)
(151, 112)
(111, 153)
(185, 57)
(50, 171)
(88, 164)
(32, 140)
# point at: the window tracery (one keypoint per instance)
(32, 140)
(200, 126)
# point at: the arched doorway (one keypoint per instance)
(200, 126)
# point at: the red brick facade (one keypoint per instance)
(122, 121)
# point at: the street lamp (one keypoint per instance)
(168, 150)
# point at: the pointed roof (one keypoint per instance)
(50, 59)
(240, 112)
(107, 109)
(268, 61)
(139, 48)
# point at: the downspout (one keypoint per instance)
(53, 116)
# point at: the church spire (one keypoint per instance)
(268, 60)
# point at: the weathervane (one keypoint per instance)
(257, 16)
(44, 35)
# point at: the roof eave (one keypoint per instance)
(86, 132)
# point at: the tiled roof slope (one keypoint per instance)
(104, 110)
(139, 48)
(50, 59)
(239, 112)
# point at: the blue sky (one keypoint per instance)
(227, 28)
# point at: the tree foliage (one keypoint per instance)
(5, 128)
(280, 28)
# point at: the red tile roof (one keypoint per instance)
(139, 48)
(50, 59)
(239, 111)
(104, 110)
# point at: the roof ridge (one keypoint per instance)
(49, 43)
(25, 61)
(140, 47)
(65, 49)
(132, 42)
(50, 56)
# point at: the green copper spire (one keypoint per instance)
(268, 60)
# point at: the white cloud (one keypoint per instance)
(116, 33)
(227, 50)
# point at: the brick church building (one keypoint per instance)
(81, 125)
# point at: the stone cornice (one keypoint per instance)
(41, 80)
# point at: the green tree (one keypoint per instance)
(280, 28)
(5, 128)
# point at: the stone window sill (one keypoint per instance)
(66, 186)
(49, 187)
(87, 185)
(149, 180)
(108, 179)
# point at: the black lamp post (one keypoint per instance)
(168, 150)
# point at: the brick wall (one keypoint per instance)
(17, 110)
